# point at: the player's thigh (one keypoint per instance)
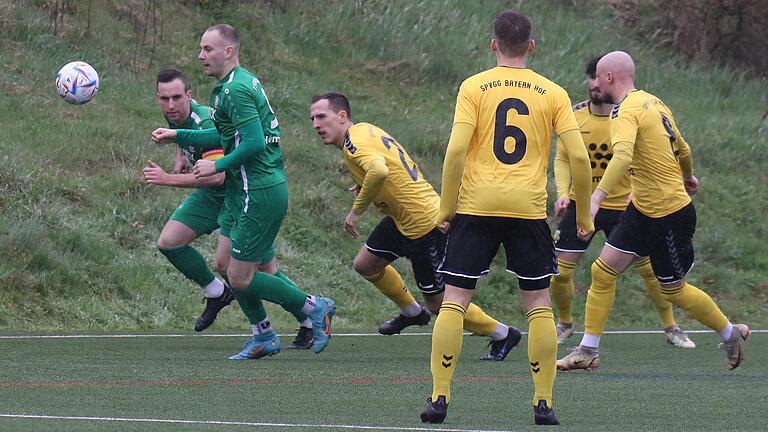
(629, 240)
(471, 245)
(175, 234)
(530, 252)
(385, 241)
(566, 238)
(425, 254)
(606, 220)
(257, 224)
(671, 251)
(200, 211)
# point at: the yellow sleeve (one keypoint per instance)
(617, 167)
(453, 169)
(581, 173)
(375, 175)
(685, 156)
(562, 170)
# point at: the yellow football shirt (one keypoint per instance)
(596, 132)
(405, 196)
(514, 112)
(643, 120)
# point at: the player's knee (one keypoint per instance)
(220, 267)
(238, 281)
(166, 242)
(433, 303)
(363, 268)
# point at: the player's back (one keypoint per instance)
(406, 196)
(514, 112)
(657, 182)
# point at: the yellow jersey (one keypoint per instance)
(405, 196)
(643, 120)
(596, 133)
(514, 112)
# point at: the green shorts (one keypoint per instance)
(256, 218)
(200, 210)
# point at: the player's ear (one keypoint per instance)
(342, 116)
(189, 94)
(531, 46)
(494, 46)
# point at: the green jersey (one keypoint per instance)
(252, 160)
(199, 119)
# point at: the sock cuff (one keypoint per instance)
(672, 290)
(540, 312)
(453, 307)
(565, 264)
(605, 267)
(642, 262)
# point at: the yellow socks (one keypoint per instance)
(447, 338)
(391, 285)
(697, 304)
(600, 298)
(542, 352)
(479, 322)
(562, 290)
(653, 291)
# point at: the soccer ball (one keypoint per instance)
(77, 82)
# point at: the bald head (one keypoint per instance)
(616, 75)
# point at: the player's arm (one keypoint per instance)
(685, 159)
(376, 172)
(202, 138)
(562, 178)
(581, 176)
(180, 162)
(615, 172)
(453, 171)
(156, 175)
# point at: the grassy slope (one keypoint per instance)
(77, 251)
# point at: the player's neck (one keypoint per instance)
(623, 90)
(343, 136)
(600, 109)
(511, 62)
(228, 69)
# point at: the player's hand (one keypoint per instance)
(355, 190)
(204, 168)
(691, 184)
(164, 136)
(444, 226)
(585, 233)
(350, 224)
(561, 205)
(180, 164)
(154, 174)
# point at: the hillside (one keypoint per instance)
(77, 243)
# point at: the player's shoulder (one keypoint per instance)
(634, 102)
(240, 80)
(581, 106)
(199, 113)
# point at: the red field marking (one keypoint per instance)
(348, 381)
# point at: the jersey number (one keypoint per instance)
(412, 171)
(502, 131)
(672, 138)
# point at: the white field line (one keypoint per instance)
(237, 423)
(149, 335)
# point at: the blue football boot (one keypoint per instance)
(321, 322)
(263, 345)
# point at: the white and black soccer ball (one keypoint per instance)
(77, 82)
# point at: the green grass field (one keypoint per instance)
(184, 383)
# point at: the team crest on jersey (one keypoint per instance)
(615, 110)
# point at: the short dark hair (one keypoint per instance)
(591, 69)
(337, 101)
(512, 31)
(227, 32)
(168, 75)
